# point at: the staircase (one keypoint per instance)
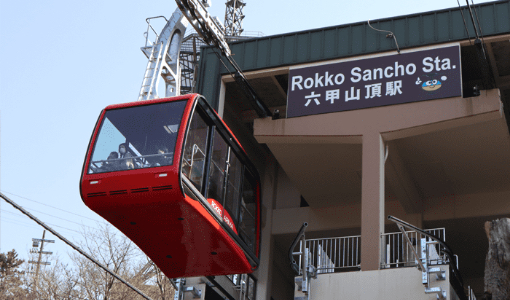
(163, 57)
(428, 255)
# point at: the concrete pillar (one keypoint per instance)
(372, 201)
(264, 273)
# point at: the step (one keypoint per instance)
(440, 274)
(299, 282)
(440, 294)
(196, 292)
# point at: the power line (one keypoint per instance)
(71, 244)
(60, 218)
(17, 222)
(3, 191)
(26, 224)
(50, 216)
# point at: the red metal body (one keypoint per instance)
(180, 234)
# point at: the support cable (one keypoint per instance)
(71, 244)
(239, 77)
(212, 34)
(472, 20)
(479, 26)
(463, 19)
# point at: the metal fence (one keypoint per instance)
(471, 293)
(398, 253)
(331, 254)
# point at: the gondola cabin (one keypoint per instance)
(172, 177)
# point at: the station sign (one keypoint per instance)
(379, 81)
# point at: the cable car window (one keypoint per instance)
(193, 160)
(233, 185)
(248, 211)
(109, 138)
(137, 137)
(217, 168)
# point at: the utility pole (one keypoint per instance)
(35, 244)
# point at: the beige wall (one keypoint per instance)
(285, 221)
(287, 194)
(392, 284)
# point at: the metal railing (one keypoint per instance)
(329, 255)
(332, 254)
(398, 253)
(471, 294)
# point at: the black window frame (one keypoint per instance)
(216, 125)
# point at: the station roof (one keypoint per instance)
(415, 30)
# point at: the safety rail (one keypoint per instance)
(432, 243)
(149, 26)
(330, 254)
(398, 253)
(425, 249)
(471, 293)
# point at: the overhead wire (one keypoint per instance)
(20, 215)
(3, 191)
(28, 227)
(18, 222)
(31, 209)
(62, 238)
(81, 224)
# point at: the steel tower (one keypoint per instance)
(234, 17)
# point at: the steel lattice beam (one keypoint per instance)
(234, 17)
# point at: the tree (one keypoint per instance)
(165, 288)
(11, 278)
(115, 251)
(497, 263)
(82, 279)
(56, 282)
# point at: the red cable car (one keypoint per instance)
(172, 177)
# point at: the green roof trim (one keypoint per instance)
(416, 30)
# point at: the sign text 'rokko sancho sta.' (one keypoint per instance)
(387, 80)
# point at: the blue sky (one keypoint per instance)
(61, 62)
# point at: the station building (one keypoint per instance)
(412, 121)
